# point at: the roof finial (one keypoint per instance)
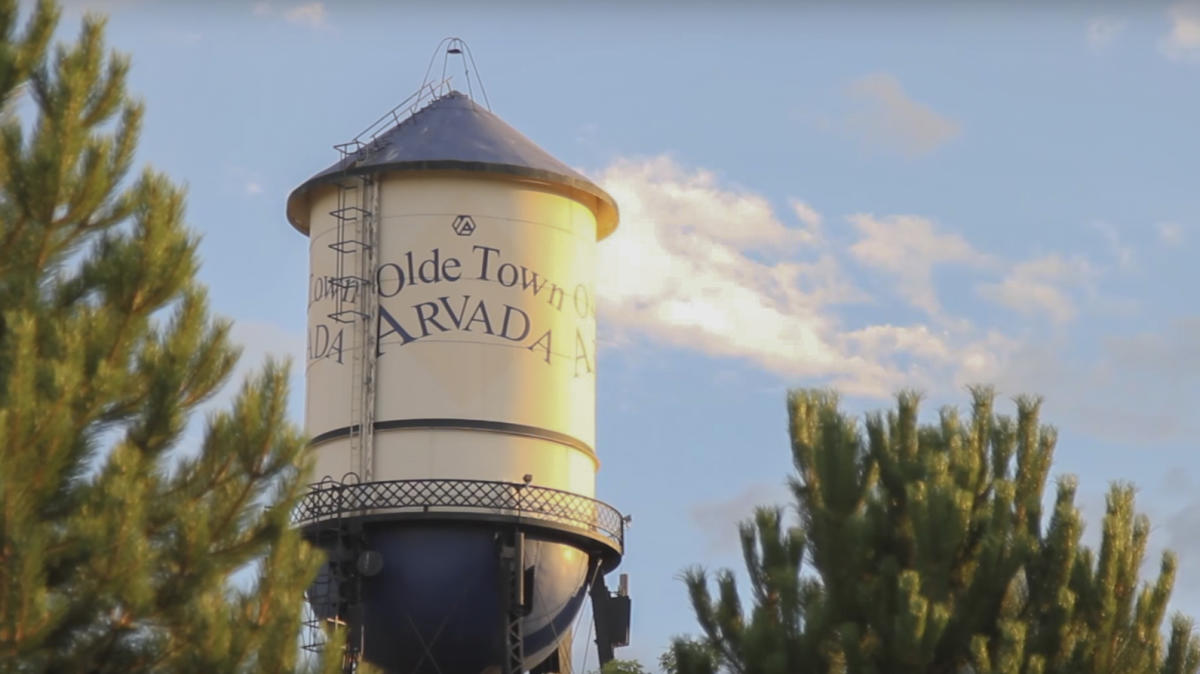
(455, 46)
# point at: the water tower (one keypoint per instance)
(451, 394)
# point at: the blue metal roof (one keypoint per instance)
(453, 133)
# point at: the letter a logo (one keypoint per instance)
(463, 225)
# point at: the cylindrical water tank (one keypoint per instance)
(452, 317)
(485, 340)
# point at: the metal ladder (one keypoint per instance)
(337, 591)
(356, 303)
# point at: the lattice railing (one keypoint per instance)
(327, 500)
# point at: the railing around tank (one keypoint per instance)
(428, 91)
(330, 499)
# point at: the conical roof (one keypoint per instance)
(453, 133)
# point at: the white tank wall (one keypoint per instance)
(447, 352)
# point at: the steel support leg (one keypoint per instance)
(512, 600)
(600, 599)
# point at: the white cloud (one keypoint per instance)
(917, 340)
(908, 247)
(693, 283)
(698, 265)
(1041, 286)
(311, 14)
(702, 209)
(243, 180)
(811, 219)
(887, 116)
(1103, 30)
(702, 266)
(1170, 233)
(1121, 252)
(985, 359)
(1182, 42)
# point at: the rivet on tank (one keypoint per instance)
(450, 393)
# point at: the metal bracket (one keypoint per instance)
(611, 614)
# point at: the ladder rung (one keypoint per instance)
(349, 246)
(347, 315)
(345, 282)
(349, 213)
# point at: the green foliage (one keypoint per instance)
(623, 667)
(115, 553)
(924, 549)
(688, 655)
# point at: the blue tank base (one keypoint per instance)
(434, 604)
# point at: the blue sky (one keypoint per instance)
(851, 196)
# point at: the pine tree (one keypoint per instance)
(688, 655)
(117, 544)
(925, 549)
(622, 667)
